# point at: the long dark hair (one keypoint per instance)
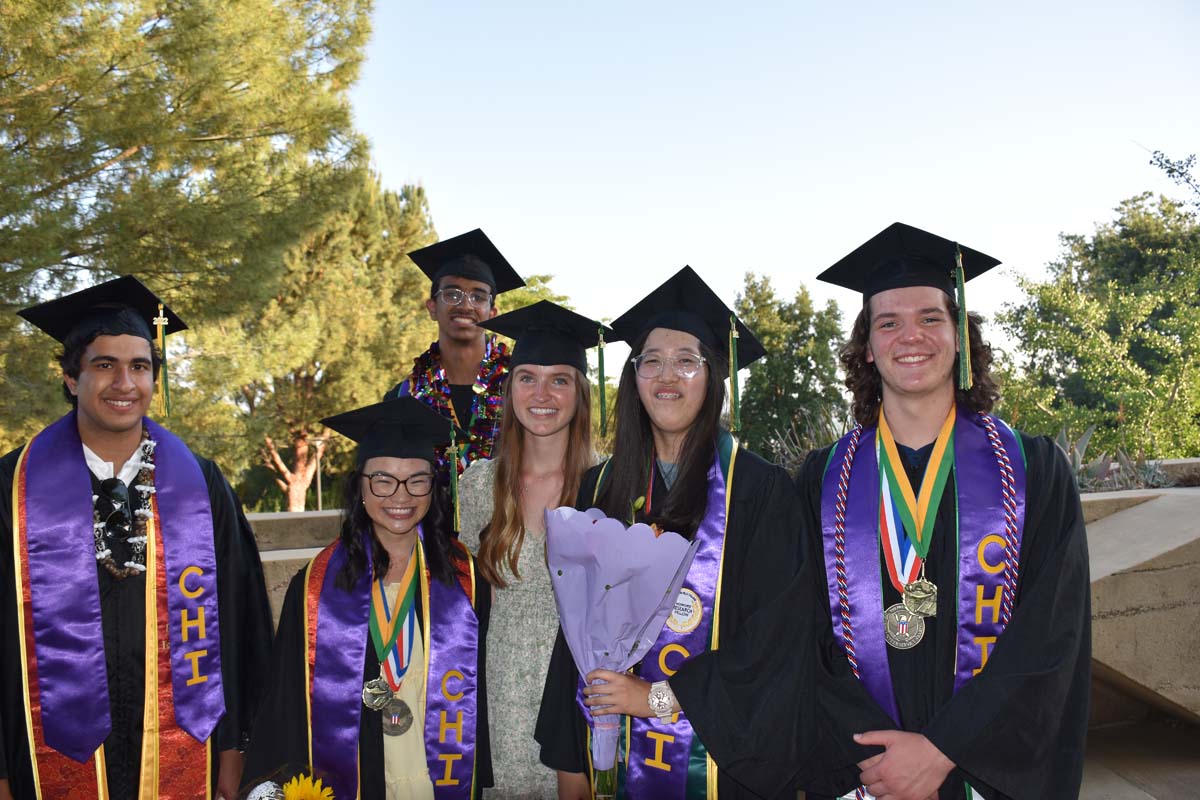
(864, 383)
(683, 508)
(440, 554)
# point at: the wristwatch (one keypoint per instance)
(661, 700)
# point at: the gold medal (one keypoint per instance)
(920, 596)
(902, 628)
(376, 693)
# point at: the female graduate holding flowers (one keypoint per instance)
(378, 662)
(695, 700)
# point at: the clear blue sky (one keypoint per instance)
(610, 143)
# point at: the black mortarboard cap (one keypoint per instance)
(686, 303)
(900, 256)
(113, 308)
(401, 428)
(469, 255)
(548, 334)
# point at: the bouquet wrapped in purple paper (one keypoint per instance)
(614, 586)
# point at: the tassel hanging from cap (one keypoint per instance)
(452, 453)
(603, 409)
(964, 336)
(162, 391)
(735, 406)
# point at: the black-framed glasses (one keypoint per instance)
(651, 365)
(384, 485)
(454, 297)
(114, 508)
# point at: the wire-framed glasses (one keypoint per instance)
(454, 297)
(651, 365)
(384, 485)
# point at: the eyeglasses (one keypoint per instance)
(113, 505)
(651, 365)
(384, 485)
(454, 297)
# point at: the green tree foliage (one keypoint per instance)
(190, 143)
(1112, 339)
(792, 396)
(346, 319)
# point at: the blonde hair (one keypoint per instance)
(501, 540)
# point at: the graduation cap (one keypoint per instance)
(548, 334)
(900, 256)
(686, 303)
(400, 428)
(123, 306)
(469, 255)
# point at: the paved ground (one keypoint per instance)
(1152, 760)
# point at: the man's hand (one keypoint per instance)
(909, 768)
(619, 694)
(229, 774)
(5, 793)
(573, 786)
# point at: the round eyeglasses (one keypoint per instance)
(384, 485)
(651, 365)
(454, 297)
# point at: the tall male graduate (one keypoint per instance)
(134, 626)
(956, 565)
(462, 374)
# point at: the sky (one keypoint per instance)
(610, 143)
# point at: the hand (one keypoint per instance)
(229, 774)
(573, 786)
(909, 768)
(619, 694)
(5, 793)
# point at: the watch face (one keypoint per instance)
(659, 702)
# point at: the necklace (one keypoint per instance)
(136, 540)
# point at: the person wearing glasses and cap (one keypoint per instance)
(544, 448)
(692, 700)
(461, 375)
(956, 566)
(134, 624)
(379, 687)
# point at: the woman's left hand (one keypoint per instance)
(619, 694)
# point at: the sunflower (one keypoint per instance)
(302, 787)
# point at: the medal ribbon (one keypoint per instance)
(899, 504)
(386, 634)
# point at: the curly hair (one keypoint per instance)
(864, 383)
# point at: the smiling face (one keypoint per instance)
(913, 342)
(398, 514)
(544, 398)
(114, 386)
(672, 403)
(459, 322)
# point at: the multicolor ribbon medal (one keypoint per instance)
(906, 529)
(393, 630)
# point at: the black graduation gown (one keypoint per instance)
(281, 732)
(245, 618)
(1016, 730)
(726, 693)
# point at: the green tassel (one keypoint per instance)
(964, 334)
(603, 415)
(735, 405)
(454, 475)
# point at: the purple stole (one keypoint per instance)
(54, 515)
(337, 623)
(988, 545)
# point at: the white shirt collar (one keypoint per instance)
(103, 470)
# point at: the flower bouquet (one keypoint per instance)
(301, 787)
(614, 586)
